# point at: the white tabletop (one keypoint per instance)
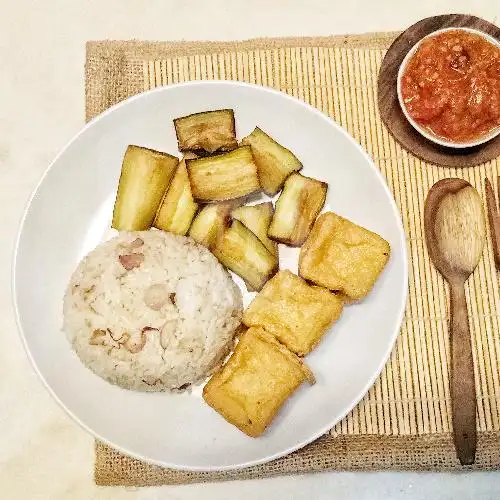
(44, 454)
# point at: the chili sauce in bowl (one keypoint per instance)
(449, 87)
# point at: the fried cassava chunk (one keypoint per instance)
(342, 256)
(223, 177)
(296, 313)
(274, 162)
(145, 176)
(244, 254)
(210, 131)
(254, 383)
(210, 223)
(257, 218)
(178, 207)
(296, 209)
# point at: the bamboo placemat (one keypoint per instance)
(404, 420)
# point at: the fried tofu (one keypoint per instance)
(343, 256)
(257, 379)
(296, 313)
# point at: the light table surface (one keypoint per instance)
(43, 453)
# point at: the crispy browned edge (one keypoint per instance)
(161, 153)
(202, 152)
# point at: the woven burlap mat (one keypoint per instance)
(403, 423)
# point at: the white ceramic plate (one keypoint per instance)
(70, 213)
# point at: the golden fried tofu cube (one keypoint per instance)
(296, 313)
(257, 379)
(343, 256)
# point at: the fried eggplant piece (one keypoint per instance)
(297, 207)
(343, 256)
(257, 218)
(210, 131)
(254, 383)
(223, 177)
(296, 313)
(244, 254)
(210, 223)
(274, 162)
(145, 176)
(178, 208)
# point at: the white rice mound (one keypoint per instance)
(178, 339)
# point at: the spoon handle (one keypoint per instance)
(463, 390)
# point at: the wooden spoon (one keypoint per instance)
(455, 232)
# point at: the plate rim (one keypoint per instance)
(403, 293)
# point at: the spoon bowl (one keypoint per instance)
(455, 228)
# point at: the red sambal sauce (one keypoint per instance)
(451, 85)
